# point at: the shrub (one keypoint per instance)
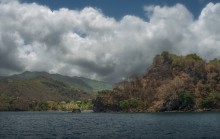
(212, 100)
(130, 104)
(187, 99)
(194, 56)
(208, 102)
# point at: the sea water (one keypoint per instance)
(109, 125)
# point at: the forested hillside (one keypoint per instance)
(172, 83)
(44, 91)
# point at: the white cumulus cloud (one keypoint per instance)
(88, 43)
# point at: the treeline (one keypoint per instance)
(19, 104)
(172, 83)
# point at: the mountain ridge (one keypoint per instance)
(44, 91)
(81, 83)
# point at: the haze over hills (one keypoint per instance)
(81, 83)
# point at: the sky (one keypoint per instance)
(107, 40)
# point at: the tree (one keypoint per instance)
(194, 56)
(208, 102)
(129, 104)
(187, 99)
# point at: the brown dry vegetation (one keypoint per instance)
(172, 83)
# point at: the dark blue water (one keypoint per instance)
(109, 125)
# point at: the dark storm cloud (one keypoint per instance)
(9, 61)
(91, 66)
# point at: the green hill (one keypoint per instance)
(96, 85)
(88, 85)
(28, 94)
(172, 83)
(40, 90)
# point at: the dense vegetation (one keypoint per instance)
(172, 83)
(40, 91)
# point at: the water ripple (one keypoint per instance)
(109, 125)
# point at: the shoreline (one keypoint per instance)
(92, 111)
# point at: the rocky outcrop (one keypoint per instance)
(101, 105)
(76, 111)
